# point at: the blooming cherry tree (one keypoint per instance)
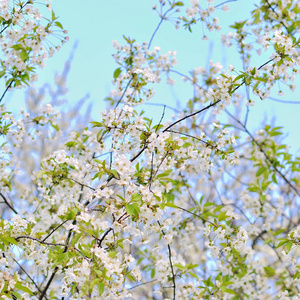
(126, 208)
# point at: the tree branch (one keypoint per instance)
(171, 265)
(265, 154)
(8, 204)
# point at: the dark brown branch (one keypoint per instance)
(110, 229)
(152, 177)
(196, 215)
(31, 279)
(192, 114)
(54, 230)
(81, 184)
(171, 265)
(140, 152)
(41, 242)
(8, 204)
(5, 91)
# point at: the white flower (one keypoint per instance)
(105, 192)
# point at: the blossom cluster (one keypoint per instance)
(197, 207)
(139, 67)
(25, 40)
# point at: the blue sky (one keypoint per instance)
(94, 24)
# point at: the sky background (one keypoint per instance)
(94, 24)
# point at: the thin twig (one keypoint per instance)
(133, 287)
(126, 88)
(160, 104)
(171, 265)
(196, 215)
(139, 153)
(28, 276)
(4, 29)
(152, 177)
(274, 11)
(162, 117)
(284, 101)
(8, 204)
(265, 154)
(5, 91)
(192, 114)
(41, 242)
(111, 229)
(155, 31)
(54, 230)
(81, 184)
(194, 137)
(225, 3)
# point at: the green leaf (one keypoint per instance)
(260, 171)
(19, 286)
(2, 73)
(282, 242)
(17, 47)
(274, 178)
(248, 80)
(24, 55)
(179, 266)
(152, 273)
(131, 277)
(170, 204)
(93, 283)
(133, 209)
(222, 216)
(60, 258)
(239, 77)
(112, 254)
(96, 124)
(229, 291)
(117, 73)
(274, 133)
(269, 271)
(58, 24)
(289, 245)
(8, 240)
(253, 71)
(277, 232)
(115, 174)
(100, 288)
(71, 214)
(164, 174)
(209, 204)
(76, 237)
(179, 3)
(208, 282)
(288, 59)
(136, 197)
(17, 295)
(54, 126)
(297, 275)
(193, 275)
(71, 144)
